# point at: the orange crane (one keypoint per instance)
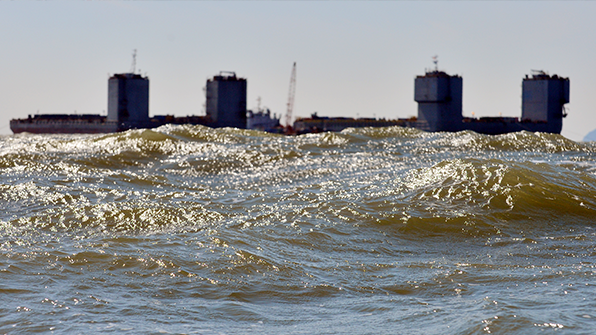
(291, 96)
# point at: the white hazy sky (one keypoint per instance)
(353, 58)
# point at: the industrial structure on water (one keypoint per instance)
(439, 98)
(128, 108)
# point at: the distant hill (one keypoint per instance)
(591, 136)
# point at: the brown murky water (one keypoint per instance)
(389, 230)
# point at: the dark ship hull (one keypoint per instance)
(63, 124)
(94, 124)
(496, 126)
(484, 125)
(72, 124)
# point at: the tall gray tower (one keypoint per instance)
(128, 100)
(543, 99)
(439, 98)
(226, 100)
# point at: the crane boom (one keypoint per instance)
(291, 96)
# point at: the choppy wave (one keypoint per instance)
(241, 226)
(394, 174)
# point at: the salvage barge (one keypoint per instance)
(128, 108)
(438, 94)
(439, 98)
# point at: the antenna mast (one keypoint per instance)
(291, 95)
(133, 67)
(436, 61)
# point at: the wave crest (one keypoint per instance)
(463, 193)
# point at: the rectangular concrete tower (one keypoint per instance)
(439, 98)
(543, 99)
(226, 101)
(128, 99)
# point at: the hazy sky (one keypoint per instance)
(353, 58)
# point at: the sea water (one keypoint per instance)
(192, 230)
